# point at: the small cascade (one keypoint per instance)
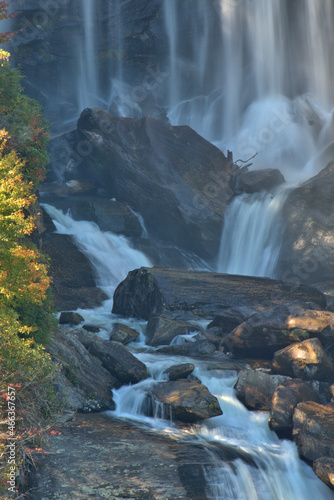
(252, 234)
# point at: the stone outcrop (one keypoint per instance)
(116, 358)
(284, 401)
(313, 430)
(184, 400)
(255, 388)
(257, 180)
(123, 334)
(277, 327)
(81, 382)
(176, 372)
(185, 295)
(306, 360)
(161, 331)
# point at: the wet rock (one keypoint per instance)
(210, 336)
(123, 365)
(145, 163)
(70, 318)
(284, 401)
(313, 430)
(306, 360)
(192, 349)
(274, 328)
(184, 295)
(308, 242)
(76, 187)
(324, 469)
(81, 383)
(255, 388)
(231, 318)
(123, 334)
(179, 371)
(161, 331)
(91, 328)
(257, 180)
(185, 400)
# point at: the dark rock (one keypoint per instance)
(70, 318)
(274, 328)
(257, 180)
(161, 331)
(324, 469)
(187, 295)
(185, 400)
(307, 246)
(91, 328)
(73, 280)
(210, 337)
(284, 401)
(123, 334)
(146, 164)
(255, 388)
(123, 365)
(192, 349)
(313, 430)
(231, 318)
(179, 371)
(81, 382)
(306, 360)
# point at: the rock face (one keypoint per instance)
(181, 192)
(324, 469)
(123, 334)
(82, 384)
(185, 400)
(123, 365)
(255, 388)
(198, 294)
(308, 242)
(306, 360)
(257, 180)
(284, 401)
(275, 328)
(161, 331)
(313, 430)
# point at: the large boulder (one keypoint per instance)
(181, 192)
(123, 334)
(229, 319)
(184, 400)
(306, 360)
(313, 430)
(192, 349)
(185, 295)
(284, 401)
(176, 372)
(277, 327)
(81, 382)
(324, 469)
(161, 331)
(307, 246)
(116, 358)
(255, 388)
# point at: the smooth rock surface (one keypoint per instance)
(324, 469)
(188, 294)
(161, 331)
(176, 372)
(123, 334)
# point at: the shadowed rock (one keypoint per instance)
(324, 469)
(176, 372)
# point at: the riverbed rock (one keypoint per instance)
(313, 430)
(81, 382)
(193, 349)
(307, 245)
(176, 372)
(70, 318)
(284, 401)
(277, 327)
(185, 400)
(229, 319)
(123, 334)
(306, 360)
(161, 331)
(324, 469)
(120, 362)
(184, 294)
(257, 180)
(255, 388)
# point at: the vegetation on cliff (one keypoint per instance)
(26, 315)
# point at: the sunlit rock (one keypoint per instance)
(324, 469)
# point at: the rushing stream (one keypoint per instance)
(277, 472)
